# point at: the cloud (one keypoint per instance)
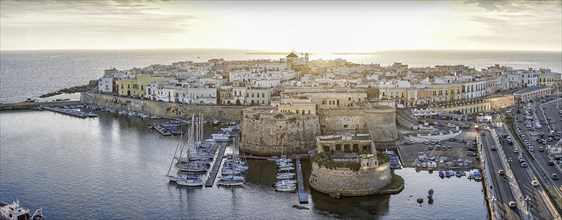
(520, 6)
(108, 16)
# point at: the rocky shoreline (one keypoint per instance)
(83, 88)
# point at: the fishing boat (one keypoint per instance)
(230, 180)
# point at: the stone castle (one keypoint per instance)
(266, 131)
(348, 165)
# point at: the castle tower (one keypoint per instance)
(306, 57)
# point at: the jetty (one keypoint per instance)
(67, 112)
(215, 169)
(303, 197)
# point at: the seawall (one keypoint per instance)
(164, 109)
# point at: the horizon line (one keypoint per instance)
(258, 51)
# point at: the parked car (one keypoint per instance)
(554, 176)
(501, 172)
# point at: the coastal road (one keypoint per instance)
(543, 159)
(499, 183)
(536, 202)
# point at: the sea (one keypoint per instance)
(113, 167)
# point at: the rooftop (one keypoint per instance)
(529, 90)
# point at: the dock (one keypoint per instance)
(303, 196)
(215, 169)
(67, 112)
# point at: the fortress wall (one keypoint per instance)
(275, 133)
(164, 109)
(381, 122)
(350, 183)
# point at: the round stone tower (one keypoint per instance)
(381, 122)
(265, 131)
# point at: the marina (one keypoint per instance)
(147, 155)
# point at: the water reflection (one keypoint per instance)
(114, 167)
(362, 207)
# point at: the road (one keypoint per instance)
(499, 183)
(550, 111)
(524, 175)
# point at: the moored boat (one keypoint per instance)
(13, 211)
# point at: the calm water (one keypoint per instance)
(29, 74)
(114, 168)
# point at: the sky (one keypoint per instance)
(315, 26)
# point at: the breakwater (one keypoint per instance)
(34, 105)
(164, 109)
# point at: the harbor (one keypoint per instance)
(146, 155)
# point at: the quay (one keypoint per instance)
(216, 165)
(35, 105)
(303, 197)
(67, 112)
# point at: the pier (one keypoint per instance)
(303, 197)
(215, 169)
(67, 112)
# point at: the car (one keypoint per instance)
(535, 183)
(501, 172)
(493, 148)
(524, 165)
(531, 148)
(551, 163)
(512, 204)
(541, 149)
(482, 134)
(554, 176)
(515, 151)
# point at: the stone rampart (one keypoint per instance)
(346, 182)
(164, 109)
(381, 122)
(269, 132)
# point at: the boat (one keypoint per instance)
(286, 168)
(91, 115)
(190, 181)
(458, 174)
(233, 167)
(283, 160)
(232, 178)
(286, 188)
(38, 215)
(289, 164)
(477, 175)
(285, 176)
(286, 182)
(229, 183)
(13, 211)
(220, 137)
